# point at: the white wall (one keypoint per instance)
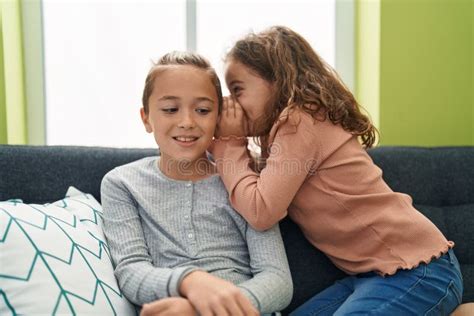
(221, 23)
(97, 55)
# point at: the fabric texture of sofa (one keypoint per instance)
(440, 180)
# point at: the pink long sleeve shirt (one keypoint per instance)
(319, 175)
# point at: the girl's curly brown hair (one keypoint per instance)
(302, 79)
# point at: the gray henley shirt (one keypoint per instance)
(160, 229)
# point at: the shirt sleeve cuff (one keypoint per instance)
(224, 141)
(175, 280)
(243, 139)
(220, 145)
(251, 297)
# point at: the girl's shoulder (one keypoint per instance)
(293, 118)
(295, 115)
(311, 127)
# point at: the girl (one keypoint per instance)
(177, 245)
(309, 125)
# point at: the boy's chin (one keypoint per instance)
(191, 160)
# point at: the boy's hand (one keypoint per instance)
(232, 121)
(211, 295)
(172, 306)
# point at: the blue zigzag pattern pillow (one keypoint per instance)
(54, 259)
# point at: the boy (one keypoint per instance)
(178, 246)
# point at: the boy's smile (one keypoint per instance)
(182, 115)
(186, 141)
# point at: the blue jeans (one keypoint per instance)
(430, 289)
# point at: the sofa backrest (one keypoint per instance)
(440, 180)
(41, 174)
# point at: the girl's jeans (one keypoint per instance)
(430, 289)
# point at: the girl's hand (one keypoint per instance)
(233, 121)
(211, 295)
(172, 306)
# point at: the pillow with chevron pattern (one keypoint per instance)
(54, 259)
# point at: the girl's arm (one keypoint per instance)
(271, 287)
(263, 199)
(140, 281)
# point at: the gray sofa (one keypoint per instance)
(440, 180)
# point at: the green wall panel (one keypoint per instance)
(367, 42)
(12, 73)
(426, 70)
(3, 109)
(32, 31)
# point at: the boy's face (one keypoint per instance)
(182, 113)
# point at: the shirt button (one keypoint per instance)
(188, 184)
(190, 236)
(186, 216)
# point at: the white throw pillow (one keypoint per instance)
(54, 259)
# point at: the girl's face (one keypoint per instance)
(182, 113)
(251, 91)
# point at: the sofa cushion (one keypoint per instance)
(437, 178)
(454, 222)
(54, 259)
(311, 270)
(440, 180)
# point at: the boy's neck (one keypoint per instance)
(187, 170)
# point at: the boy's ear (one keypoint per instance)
(145, 121)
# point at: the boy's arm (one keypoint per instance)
(140, 281)
(169, 306)
(211, 295)
(271, 287)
